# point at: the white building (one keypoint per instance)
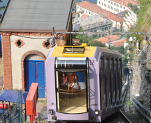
(116, 6)
(94, 10)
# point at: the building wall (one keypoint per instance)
(90, 13)
(17, 54)
(6, 57)
(32, 47)
(111, 6)
(115, 8)
(87, 12)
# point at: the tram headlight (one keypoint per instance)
(96, 112)
(50, 111)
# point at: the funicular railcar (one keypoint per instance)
(101, 94)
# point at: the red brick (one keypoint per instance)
(7, 71)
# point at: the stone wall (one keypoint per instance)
(141, 81)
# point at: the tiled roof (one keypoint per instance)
(106, 39)
(119, 43)
(94, 8)
(84, 16)
(125, 2)
(36, 15)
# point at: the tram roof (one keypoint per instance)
(81, 51)
(88, 52)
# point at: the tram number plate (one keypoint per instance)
(91, 62)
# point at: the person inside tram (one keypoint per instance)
(80, 81)
(63, 80)
(71, 78)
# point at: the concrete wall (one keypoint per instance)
(17, 54)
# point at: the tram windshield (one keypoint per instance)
(71, 85)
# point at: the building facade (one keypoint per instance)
(94, 10)
(117, 6)
(26, 42)
(95, 24)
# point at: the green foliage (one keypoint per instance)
(133, 7)
(2, 8)
(74, 5)
(90, 40)
(119, 49)
(95, 36)
(96, 43)
(143, 24)
(123, 51)
(126, 13)
(144, 15)
(130, 5)
(130, 103)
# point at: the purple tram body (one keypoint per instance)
(90, 96)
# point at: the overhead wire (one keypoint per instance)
(85, 32)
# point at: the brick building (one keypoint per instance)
(106, 39)
(26, 27)
(113, 40)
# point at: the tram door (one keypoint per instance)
(35, 72)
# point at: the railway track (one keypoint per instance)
(118, 117)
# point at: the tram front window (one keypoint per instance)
(71, 90)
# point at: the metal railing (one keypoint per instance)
(124, 89)
(143, 111)
(40, 118)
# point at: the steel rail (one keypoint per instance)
(143, 111)
(125, 116)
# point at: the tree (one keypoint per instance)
(134, 8)
(74, 6)
(119, 49)
(0, 8)
(90, 40)
(96, 43)
(130, 5)
(95, 36)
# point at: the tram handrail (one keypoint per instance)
(63, 91)
(145, 112)
(68, 90)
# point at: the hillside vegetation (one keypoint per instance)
(144, 19)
